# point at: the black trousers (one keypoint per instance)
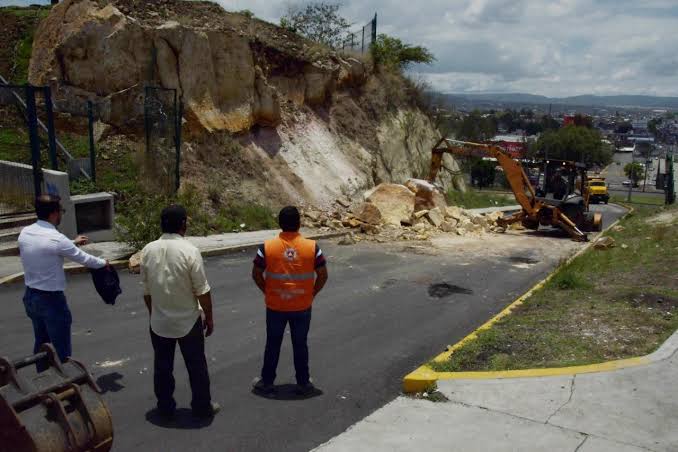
(192, 348)
(300, 322)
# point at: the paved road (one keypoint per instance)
(615, 176)
(374, 323)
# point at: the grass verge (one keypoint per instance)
(477, 199)
(638, 199)
(604, 305)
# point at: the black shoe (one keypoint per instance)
(305, 389)
(210, 412)
(263, 388)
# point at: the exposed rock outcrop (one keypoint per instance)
(229, 76)
(308, 124)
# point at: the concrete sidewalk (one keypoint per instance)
(632, 409)
(209, 246)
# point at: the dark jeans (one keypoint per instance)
(192, 348)
(300, 322)
(51, 321)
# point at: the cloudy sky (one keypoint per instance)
(549, 47)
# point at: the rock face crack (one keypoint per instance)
(569, 399)
(586, 437)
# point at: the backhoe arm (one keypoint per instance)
(518, 180)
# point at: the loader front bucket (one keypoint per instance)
(57, 410)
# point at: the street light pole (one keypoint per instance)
(631, 177)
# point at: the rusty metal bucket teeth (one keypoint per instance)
(59, 409)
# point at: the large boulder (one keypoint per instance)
(394, 201)
(108, 53)
(368, 213)
(427, 196)
(435, 216)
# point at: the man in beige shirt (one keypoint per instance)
(177, 296)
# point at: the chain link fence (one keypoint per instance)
(162, 124)
(361, 41)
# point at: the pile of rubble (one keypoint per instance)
(413, 211)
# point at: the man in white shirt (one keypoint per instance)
(43, 249)
(177, 295)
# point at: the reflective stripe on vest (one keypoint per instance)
(290, 277)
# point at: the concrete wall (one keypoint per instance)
(16, 179)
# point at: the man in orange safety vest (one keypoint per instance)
(290, 270)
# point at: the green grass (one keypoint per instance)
(14, 145)
(139, 217)
(604, 305)
(476, 199)
(638, 199)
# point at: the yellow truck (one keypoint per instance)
(598, 190)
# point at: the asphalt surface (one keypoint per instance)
(615, 176)
(374, 323)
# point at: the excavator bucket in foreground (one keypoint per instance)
(57, 410)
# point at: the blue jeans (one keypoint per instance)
(300, 322)
(51, 321)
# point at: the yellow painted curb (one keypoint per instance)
(424, 378)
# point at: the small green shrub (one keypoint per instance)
(569, 279)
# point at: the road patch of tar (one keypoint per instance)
(443, 290)
(523, 260)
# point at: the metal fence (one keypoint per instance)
(162, 124)
(21, 146)
(362, 40)
(28, 140)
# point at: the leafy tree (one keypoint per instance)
(574, 143)
(533, 128)
(483, 172)
(317, 21)
(583, 121)
(548, 123)
(624, 127)
(475, 127)
(652, 125)
(634, 171)
(392, 53)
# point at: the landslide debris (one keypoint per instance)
(391, 216)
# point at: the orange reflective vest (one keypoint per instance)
(290, 272)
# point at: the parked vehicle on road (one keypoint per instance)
(598, 190)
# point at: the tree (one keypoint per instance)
(483, 172)
(318, 21)
(392, 53)
(574, 143)
(624, 127)
(475, 127)
(653, 126)
(634, 171)
(583, 121)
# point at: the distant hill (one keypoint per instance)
(588, 99)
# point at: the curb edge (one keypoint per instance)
(424, 378)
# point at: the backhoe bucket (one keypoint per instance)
(57, 410)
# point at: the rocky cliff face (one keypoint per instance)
(313, 123)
